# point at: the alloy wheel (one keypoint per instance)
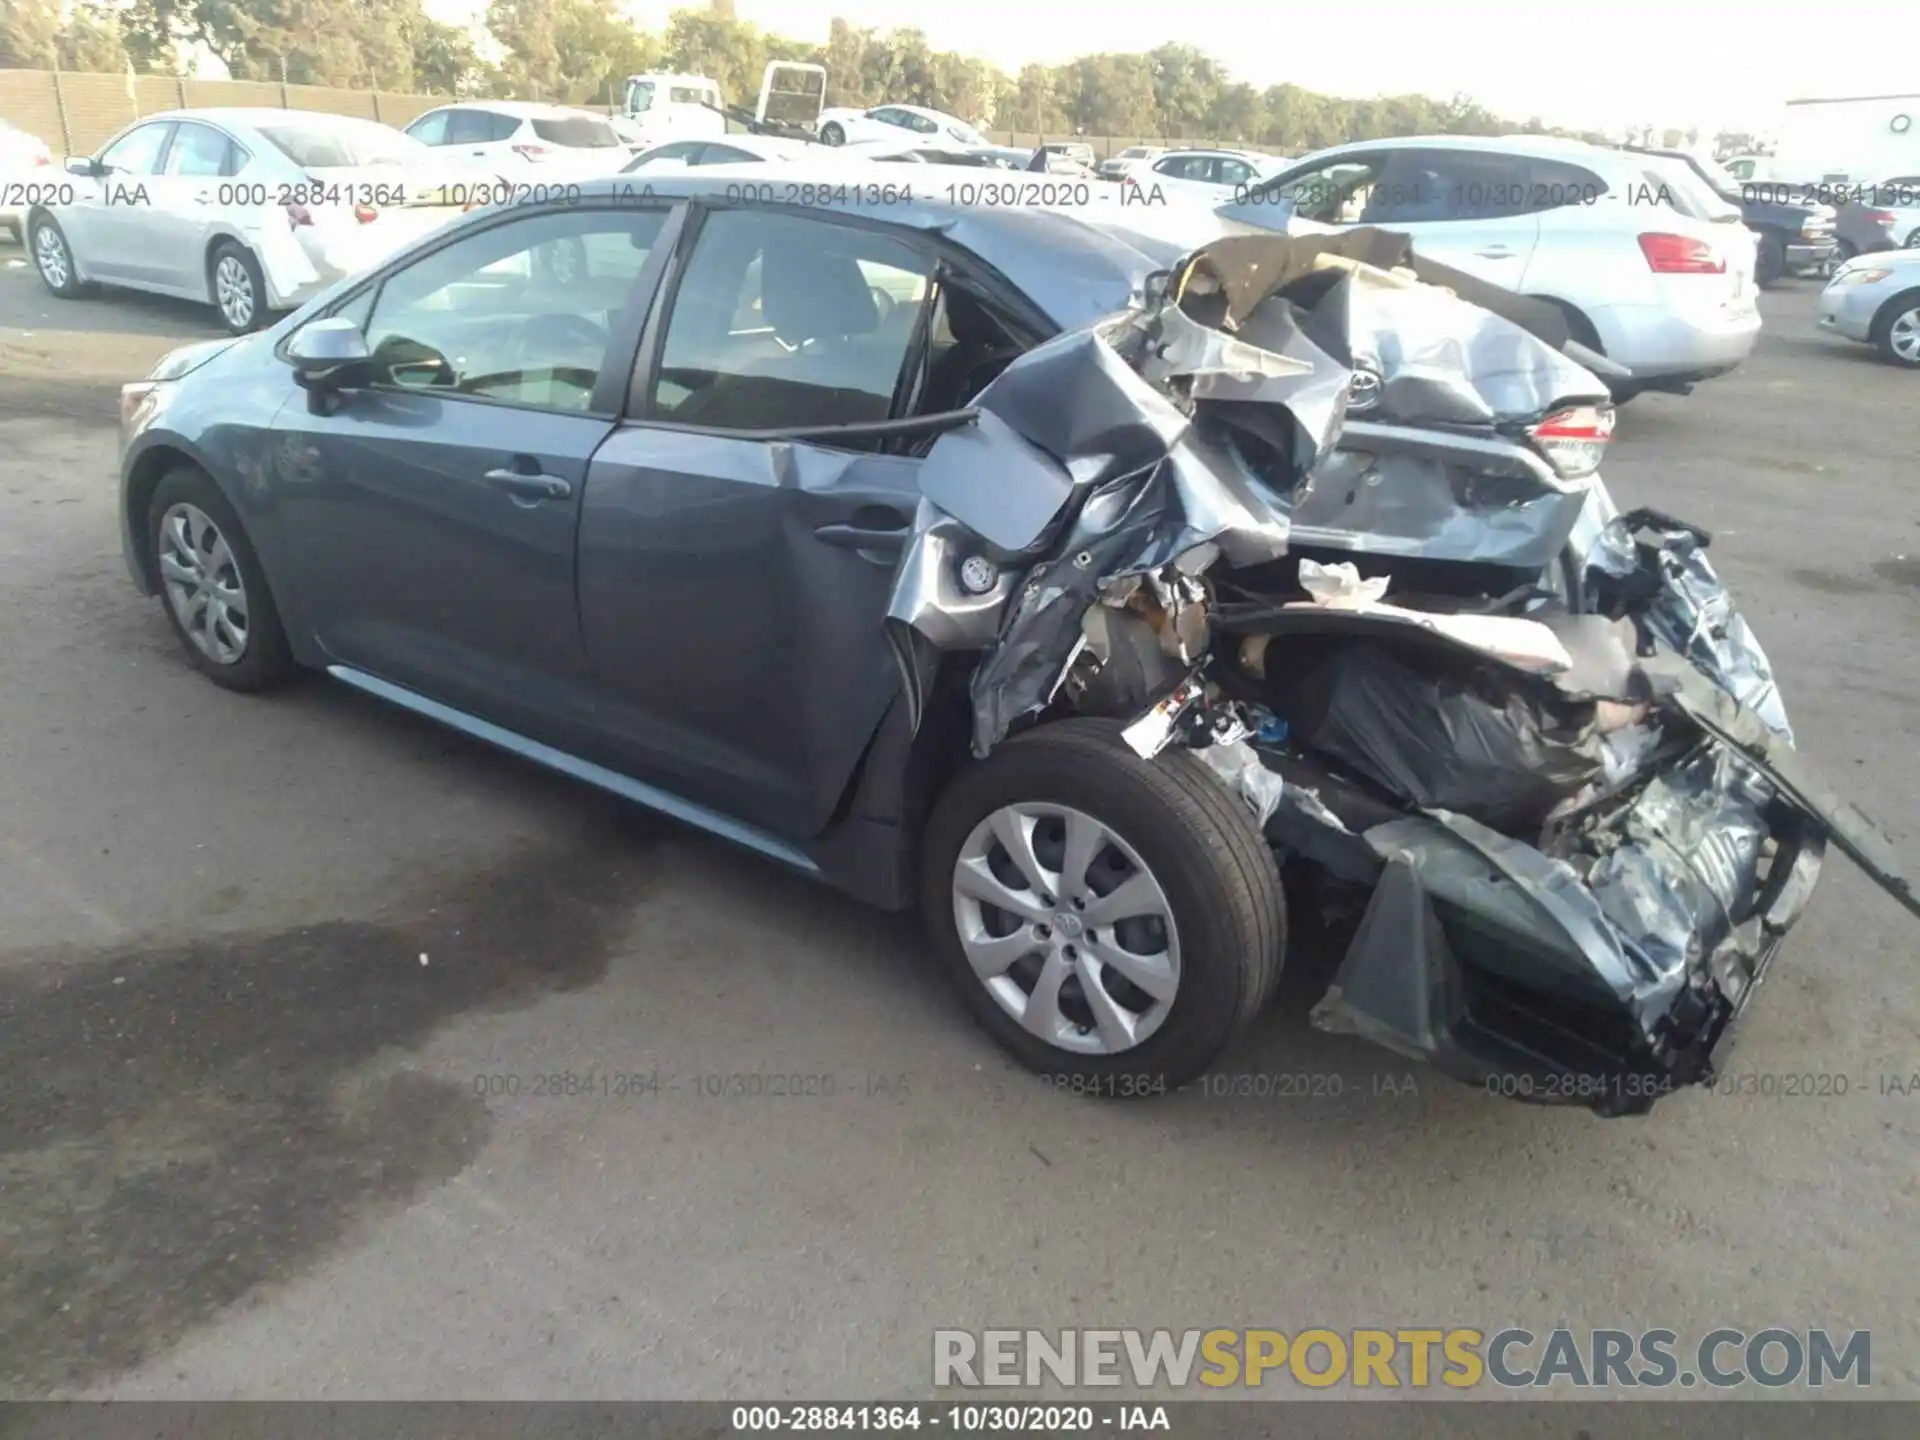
(1067, 928)
(203, 583)
(1903, 335)
(233, 291)
(50, 254)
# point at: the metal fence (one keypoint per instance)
(76, 113)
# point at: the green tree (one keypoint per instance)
(29, 31)
(91, 40)
(597, 48)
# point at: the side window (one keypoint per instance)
(890, 116)
(501, 127)
(1233, 172)
(1332, 194)
(430, 129)
(784, 320)
(138, 151)
(721, 155)
(519, 312)
(1427, 186)
(469, 127)
(1554, 183)
(686, 150)
(199, 150)
(922, 124)
(1176, 167)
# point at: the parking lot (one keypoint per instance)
(312, 1015)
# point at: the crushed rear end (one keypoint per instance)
(1329, 516)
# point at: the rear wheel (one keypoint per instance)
(1912, 242)
(1108, 919)
(832, 134)
(1771, 262)
(237, 288)
(1896, 329)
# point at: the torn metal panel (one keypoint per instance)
(1666, 584)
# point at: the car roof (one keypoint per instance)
(1543, 146)
(259, 115)
(1076, 270)
(527, 109)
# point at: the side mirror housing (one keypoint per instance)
(85, 166)
(329, 354)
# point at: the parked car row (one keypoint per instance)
(1650, 256)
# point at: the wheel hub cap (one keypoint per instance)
(203, 584)
(1067, 928)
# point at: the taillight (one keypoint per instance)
(1681, 255)
(365, 214)
(1574, 439)
(298, 215)
(1880, 217)
(43, 159)
(531, 152)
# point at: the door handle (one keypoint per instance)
(528, 488)
(873, 527)
(1494, 252)
(203, 197)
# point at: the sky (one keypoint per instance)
(1711, 64)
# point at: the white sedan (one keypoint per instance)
(250, 210)
(1217, 177)
(840, 126)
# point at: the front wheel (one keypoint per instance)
(1112, 921)
(1896, 330)
(215, 591)
(832, 134)
(53, 258)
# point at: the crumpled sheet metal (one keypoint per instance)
(1480, 506)
(1153, 491)
(1693, 614)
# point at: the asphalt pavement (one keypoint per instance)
(341, 1057)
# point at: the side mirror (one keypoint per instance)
(329, 354)
(85, 166)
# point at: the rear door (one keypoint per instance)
(431, 517)
(189, 205)
(732, 587)
(1465, 208)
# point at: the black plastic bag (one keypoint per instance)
(1481, 741)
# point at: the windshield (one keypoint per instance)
(576, 132)
(343, 143)
(639, 96)
(965, 133)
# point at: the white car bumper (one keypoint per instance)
(1658, 342)
(1849, 309)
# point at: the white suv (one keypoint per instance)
(1215, 176)
(1645, 278)
(510, 134)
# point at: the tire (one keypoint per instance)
(52, 253)
(264, 660)
(230, 266)
(1194, 839)
(1771, 262)
(1843, 251)
(1895, 331)
(1912, 242)
(832, 134)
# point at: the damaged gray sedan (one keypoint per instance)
(1102, 599)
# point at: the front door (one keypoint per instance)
(431, 520)
(107, 226)
(732, 589)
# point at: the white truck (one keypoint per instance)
(1859, 140)
(663, 107)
